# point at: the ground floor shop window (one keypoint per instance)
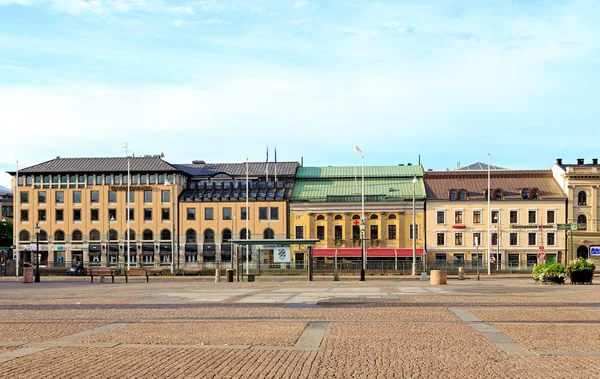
(191, 258)
(440, 258)
(476, 260)
(165, 259)
(513, 260)
(459, 259)
(531, 260)
(148, 259)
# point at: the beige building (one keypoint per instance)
(580, 182)
(521, 222)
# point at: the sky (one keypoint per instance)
(446, 81)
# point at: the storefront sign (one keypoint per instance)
(595, 251)
(533, 226)
(131, 188)
(281, 255)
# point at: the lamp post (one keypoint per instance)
(167, 183)
(414, 231)
(37, 252)
(497, 221)
(233, 223)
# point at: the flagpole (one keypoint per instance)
(355, 191)
(363, 225)
(489, 267)
(247, 217)
(267, 165)
(127, 233)
(275, 163)
(17, 213)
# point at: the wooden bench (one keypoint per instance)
(101, 272)
(142, 272)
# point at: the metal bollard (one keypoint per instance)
(218, 275)
(461, 273)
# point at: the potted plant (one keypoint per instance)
(375, 243)
(549, 273)
(338, 242)
(355, 242)
(581, 271)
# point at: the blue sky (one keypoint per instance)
(218, 80)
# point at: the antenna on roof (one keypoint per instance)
(126, 148)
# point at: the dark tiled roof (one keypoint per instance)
(238, 169)
(439, 183)
(100, 165)
(480, 166)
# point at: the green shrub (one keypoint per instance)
(549, 270)
(581, 264)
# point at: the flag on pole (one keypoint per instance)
(275, 162)
(356, 149)
(267, 164)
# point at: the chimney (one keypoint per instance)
(595, 161)
(559, 161)
(580, 161)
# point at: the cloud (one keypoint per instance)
(300, 4)
(301, 21)
(182, 10)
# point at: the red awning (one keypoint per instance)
(371, 252)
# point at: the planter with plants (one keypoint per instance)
(338, 243)
(549, 273)
(581, 271)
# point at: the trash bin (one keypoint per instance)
(229, 273)
(250, 277)
(27, 273)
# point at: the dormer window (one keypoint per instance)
(462, 194)
(452, 194)
(525, 193)
(534, 194)
(498, 194)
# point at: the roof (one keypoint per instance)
(347, 190)
(238, 169)
(352, 172)
(511, 182)
(99, 165)
(480, 166)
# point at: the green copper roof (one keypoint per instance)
(345, 190)
(351, 172)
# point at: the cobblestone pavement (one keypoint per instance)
(502, 328)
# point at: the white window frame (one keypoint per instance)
(518, 238)
(551, 210)
(462, 211)
(410, 235)
(463, 238)
(436, 216)
(480, 237)
(537, 215)
(480, 216)
(518, 215)
(492, 216)
(535, 232)
(436, 236)
(555, 235)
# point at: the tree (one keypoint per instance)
(6, 234)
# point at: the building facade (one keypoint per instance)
(579, 182)
(521, 221)
(327, 201)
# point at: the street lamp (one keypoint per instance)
(414, 231)
(36, 228)
(233, 224)
(112, 218)
(497, 221)
(167, 183)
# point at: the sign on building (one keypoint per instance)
(595, 251)
(281, 255)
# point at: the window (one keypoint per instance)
(131, 214)
(117, 180)
(98, 179)
(244, 234)
(76, 197)
(532, 238)
(476, 260)
(94, 235)
(337, 217)
(131, 197)
(94, 215)
(59, 235)
(355, 217)
(458, 217)
(209, 213)
(355, 232)
(262, 213)
(24, 215)
(209, 236)
(227, 234)
(76, 214)
(77, 235)
(152, 179)
(147, 235)
(513, 216)
(147, 196)
(338, 232)
(164, 196)
(147, 214)
(90, 180)
(191, 213)
(112, 214)
(130, 235)
(274, 213)
(532, 217)
(227, 213)
(244, 212)
(459, 259)
(392, 232)
(41, 197)
(390, 217)
(535, 194)
(24, 236)
(513, 238)
(320, 217)
(113, 235)
(374, 232)
(94, 196)
(411, 231)
(440, 259)
(498, 195)
(112, 197)
(320, 232)
(299, 232)
(134, 179)
(462, 195)
(165, 214)
(109, 179)
(476, 217)
(143, 179)
(550, 216)
(458, 239)
(453, 194)
(190, 236)
(441, 239)
(525, 193)
(161, 179)
(477, 239)
(513, 260)
(59, 197)
(581, 222)
(551, 239)
(268, 234)
(374, 217)
(59, 215)
(581, 198)
(441, 217)
(24, 197)
(165, 234)
(495, 217)
(41, 215)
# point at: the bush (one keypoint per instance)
(549, 271)
(581, 264)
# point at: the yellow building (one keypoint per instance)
(327, 204)
(521, 221)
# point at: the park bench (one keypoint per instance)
(101, 272)
(138, 272)
(192, 271)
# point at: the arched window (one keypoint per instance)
(113, 235)
(190, 236)
(581, 222)
(77, 235)
(147, 235)
(498, 194)
(24, 236)
(391, 217)
(269, 234)
(320, 217)
(452, 194)
(243, 234)
(535, 193)
(226, 235)
(59, 235)
(337, 217)
(582, 198)
(165, 234)
(374, 217)
(209, 236)
(43, 235)
(524, 193)
(131, 235)
(462, 195)
(356, 217)
(94, 235)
